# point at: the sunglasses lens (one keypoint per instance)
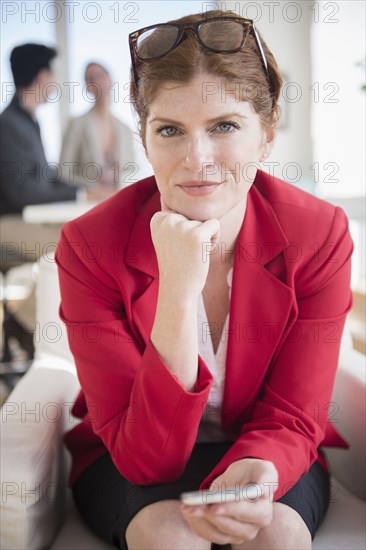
(223, 36)
(156, 42)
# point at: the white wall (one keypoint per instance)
(338, 118)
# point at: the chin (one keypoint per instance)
(201, 213)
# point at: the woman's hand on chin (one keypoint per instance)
(181, 249)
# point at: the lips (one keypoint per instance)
(199, 183)
(199, 187)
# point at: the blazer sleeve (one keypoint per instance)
(139, 409)
(288, 422)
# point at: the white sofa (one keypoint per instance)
(36, 505)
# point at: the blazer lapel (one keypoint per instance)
(261, 306)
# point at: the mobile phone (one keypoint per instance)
(197, 498)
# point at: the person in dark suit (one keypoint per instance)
(205, 307)
(26, 177)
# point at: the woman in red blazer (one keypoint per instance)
(160, 343)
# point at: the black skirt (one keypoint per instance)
(108, 502)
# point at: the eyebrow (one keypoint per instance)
(211, 121)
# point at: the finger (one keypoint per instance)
(156, 218)
(207, 531)
(212, 227)
(256, 513)
(193, 511)
(243, 530)
(267, 478)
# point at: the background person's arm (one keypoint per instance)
(70, 162)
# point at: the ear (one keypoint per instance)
(269, 139)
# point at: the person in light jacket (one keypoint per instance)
(98, 148)
(205, 306)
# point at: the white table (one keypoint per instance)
(56, 212)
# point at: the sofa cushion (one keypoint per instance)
(51, 335)
(34, 487)
(344, 525)
(31, 507)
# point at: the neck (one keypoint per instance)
(28, 100)
(230, 225)
(102, 107)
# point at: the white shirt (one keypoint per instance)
(210, 425)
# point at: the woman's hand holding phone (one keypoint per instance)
(240, 520)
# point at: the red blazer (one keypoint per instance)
(290, 296)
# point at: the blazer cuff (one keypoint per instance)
(171, 381)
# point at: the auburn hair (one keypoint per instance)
(242, 71)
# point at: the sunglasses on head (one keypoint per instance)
(155, 41)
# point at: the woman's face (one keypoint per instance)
(202, 144)
(97, 80)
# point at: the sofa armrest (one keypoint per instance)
(348, 400)
(33, 470)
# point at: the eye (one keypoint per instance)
(166, 131)
(227, 127)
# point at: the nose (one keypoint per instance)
(198, 153)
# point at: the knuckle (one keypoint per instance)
(265, 520)
(252, 533)
(218, 539)
(195, 238)
(155, 218)
(270, 467)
